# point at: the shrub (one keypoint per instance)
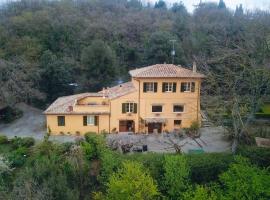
(3, 139)
(244, 181)
(17, 157)
(22, 142)
(97, 143)
(176, 175)
(207, 167)
(194, 127)
(131, 182)
(152, 161)
(110, 163)
(27, 142)
(89, 150)
(257, 155)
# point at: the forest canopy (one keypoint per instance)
(64, 47)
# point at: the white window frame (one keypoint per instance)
(179, 105)
(149, 86)
(168, 87)
(90, 120)
(129, 107)
(187, 86)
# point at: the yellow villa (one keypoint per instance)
(159, 98)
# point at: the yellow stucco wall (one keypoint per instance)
(74, 124)
(190, 100)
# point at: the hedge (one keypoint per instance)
(206, 167)
(258, 155)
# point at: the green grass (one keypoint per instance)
(266, 108)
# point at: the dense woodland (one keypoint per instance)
(54, 48)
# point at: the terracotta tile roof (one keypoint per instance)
(61, 105)
(119, 90)
(164, 70)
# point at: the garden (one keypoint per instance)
(89, 169)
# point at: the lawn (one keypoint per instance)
(266, 108)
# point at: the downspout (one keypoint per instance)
(139, 107)
(98, 124)
(109, 117)
(198, 100)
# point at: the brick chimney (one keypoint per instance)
(194, 68)
(70, 108)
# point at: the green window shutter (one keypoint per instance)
(174, 87)
(124, 108)
(163, 87)
(96, 120)
(155, 87)
(144, 87)
(192, 86)
(135, 108)
(84, 120)
(182, 87)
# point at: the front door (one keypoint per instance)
(126, 126)
(154, 127)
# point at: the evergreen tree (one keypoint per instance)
(161, 5)
(55, 77)
(221, 4)
(98, 61)
(239, 11)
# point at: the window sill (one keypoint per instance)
(149, 92)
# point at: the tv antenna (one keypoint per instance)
(173, 50)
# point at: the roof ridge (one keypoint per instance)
(164, 71)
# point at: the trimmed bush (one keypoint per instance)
(257, 155)
(205, 168)
(3, 139)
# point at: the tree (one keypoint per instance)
(160, 5)
(137, 4)
(221, 4)
(132, 182)
(16, 83)
(239, 11)
(244, 181)
(176, 173)
(55, 76)
(179, 8)
(98, 61)
(200, 193)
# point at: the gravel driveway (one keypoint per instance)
(212, 140)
